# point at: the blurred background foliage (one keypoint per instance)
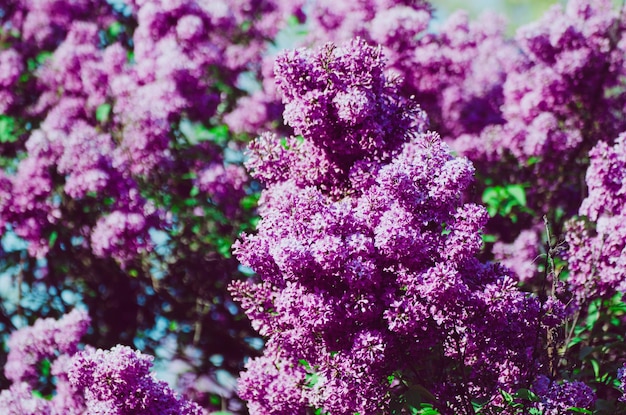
(517, 12)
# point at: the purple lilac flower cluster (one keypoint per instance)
(523, 255)
(555, 101)
(117, 113)
(373, 274)
(99, 175)
(596, 252)
(119, 382)
(368, 290)
(116, 381)
(560, 398)
(571, 55)
(70, 143)
(559, 103)
(336, 22)
(44, 340)
(621, 377)
(525, 110)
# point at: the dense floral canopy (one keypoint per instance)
(389, 218)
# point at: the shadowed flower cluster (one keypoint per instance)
(94, 381)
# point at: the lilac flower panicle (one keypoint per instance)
(19, 400)
(122, 235)
(118, 381)
(375, 268)
(522, 256)
(93, 381)
(557, 398)
(344, 104)
(46, 339)
(621, 376)
(596, 253)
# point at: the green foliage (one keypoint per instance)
(250, 202)
(102, 113)
(196, 133)
(115, 29)
(7, 129)
(39, 60)
(426, 409)
(415, 400)
(54, 235)
(45, 367)
(522, 402)
(507, 201)
(579, 410)
(594, 336)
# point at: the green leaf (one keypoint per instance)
(477, 406)
(215, 400)
(501, 200)
(245, 25)
(488, 238)
(224, 247)
(196, 132)
(428, 409)
(579, 410)
(102, 113)
(220, 133)
(45, 366)
(593, 314)
(42, 57)
(7, 129)
(532, 160)
(445, 230)
(574, 341)
(250, 202)
(293, 21)
(518, 193)
(39, 60)
(507, 396)
(311, 379)
(527, 394)
(596, 367)
(38, 394)
(53, 238)
(115, 29)
(491, 194)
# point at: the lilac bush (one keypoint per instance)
(118, 172)
(375, 280)
(366, 254)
